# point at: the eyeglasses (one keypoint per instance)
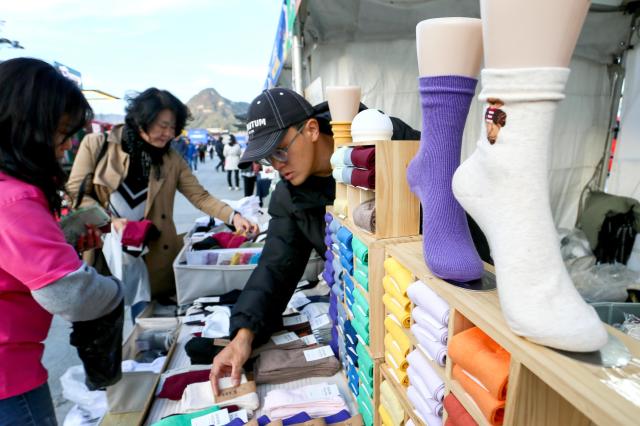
(281, 155)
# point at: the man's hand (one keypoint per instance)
(231, 359)
(89, 240)
(243, 224)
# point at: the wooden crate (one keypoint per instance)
(545, 387)
(397, 208)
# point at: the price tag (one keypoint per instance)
(194, 318)
(313, 310)
(203, 300)
(218, 418)
(309, 340)
(228, 393)
(320, 392)
(294, 320)
(283, 339)
(318, 353)
(240, 414)
(319, 322)
(298, 300)
(302, 283)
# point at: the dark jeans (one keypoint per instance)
(249, 185)
(33, 408)
(237, 176)
(220, 165)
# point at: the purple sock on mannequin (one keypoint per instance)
(448, 248)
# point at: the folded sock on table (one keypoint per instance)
(281, 403)
(364, 157)
(197, 396)
(281, 366)
(420, 366)
(421, 295)
(202, 350)
(427, 322)
(491, 408)
(399, 273)
(391, 288)
(456, 412)
(364, 178)
(482, 357)
(185, 419)
(431, 344)
(174, 384)
(397, 310)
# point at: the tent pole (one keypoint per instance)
(618, 72)
(296, 59)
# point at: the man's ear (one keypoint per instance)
(313, 127)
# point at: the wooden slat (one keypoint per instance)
(604, 396)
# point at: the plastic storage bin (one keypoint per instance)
(613, 313)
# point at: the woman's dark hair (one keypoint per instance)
(143, 109)
(34, 97)
(232, 140)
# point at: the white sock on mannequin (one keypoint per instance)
(504, 187)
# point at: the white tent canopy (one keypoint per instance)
(371, 43)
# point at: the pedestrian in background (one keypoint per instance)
(232, 153)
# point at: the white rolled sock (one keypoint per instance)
(504, 187)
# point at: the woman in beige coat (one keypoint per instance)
(138, 175)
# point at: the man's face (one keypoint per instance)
(300, 156)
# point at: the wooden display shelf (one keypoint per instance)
(545, 386)
(468, 403)
(391, 190)
(401, 394)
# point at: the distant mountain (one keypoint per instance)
(210, 109)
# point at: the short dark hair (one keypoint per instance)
(143, 108)
(34, 97)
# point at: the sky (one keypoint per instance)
(120, 46)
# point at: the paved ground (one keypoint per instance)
(59, 354)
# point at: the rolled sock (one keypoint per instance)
(337, 174)
(431, 379)
(347, 157)
(537, 297)
(364, 157)
(363, 178)
(347, 173)
(448, 248)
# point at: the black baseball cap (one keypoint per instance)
(269, 117)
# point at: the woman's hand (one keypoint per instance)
(118, 224)
(243, 224)
(90, 240)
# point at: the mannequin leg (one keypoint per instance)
(447, 86)
(504, 184)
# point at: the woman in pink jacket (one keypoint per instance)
(40, 274)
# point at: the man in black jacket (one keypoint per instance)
(284, 131)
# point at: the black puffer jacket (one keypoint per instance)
(297, 226)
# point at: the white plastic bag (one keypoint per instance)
(91, 405)
(130, 270)
(573, 244)
(603, 282)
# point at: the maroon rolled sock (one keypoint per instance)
(364, 157)
(364, 178)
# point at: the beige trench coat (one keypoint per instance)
(175, 175)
